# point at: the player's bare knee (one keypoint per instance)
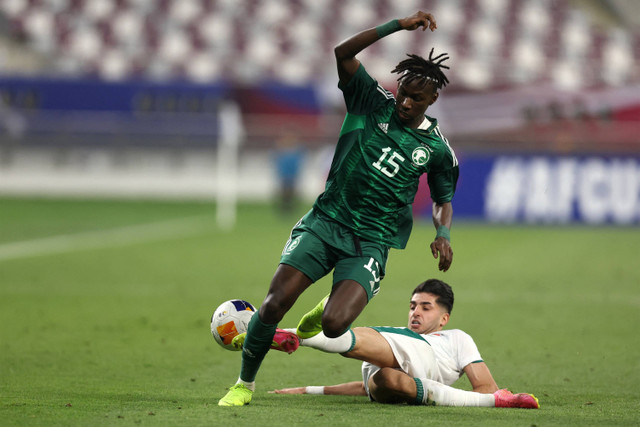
(387, 379)
(273, 309)
(333, 327)
(384, 387)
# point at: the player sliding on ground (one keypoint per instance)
(415, 365)
(385, 145)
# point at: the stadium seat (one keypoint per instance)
(617, 58)
(174, 46)
(127, 26)
(97, 10)
(39, 24)
(196, 38)
(115, 65)
(184, 11)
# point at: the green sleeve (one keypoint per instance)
(363, 94)
(442, 184)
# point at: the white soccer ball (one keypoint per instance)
(230, 319)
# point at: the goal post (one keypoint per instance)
(230, 136)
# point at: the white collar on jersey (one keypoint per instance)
(425, 124)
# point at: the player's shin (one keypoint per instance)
(255, 347)
(436, 394)
(342, 344)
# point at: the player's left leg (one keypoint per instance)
(389, 385)
(394, 386)
(356, 280)
(347, 300)
(431, 392)
(505, 399)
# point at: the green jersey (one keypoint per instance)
(377, 165)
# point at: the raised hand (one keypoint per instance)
(417, 20)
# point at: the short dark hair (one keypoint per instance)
(438, 288)
(428, 71)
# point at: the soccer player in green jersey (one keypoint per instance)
(384, 146)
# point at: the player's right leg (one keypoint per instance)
(238, 395)
(287, 285)
(370, 346)
(305, 259)
(347, 300)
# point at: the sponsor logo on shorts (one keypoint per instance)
(374, 268)
(291, 245)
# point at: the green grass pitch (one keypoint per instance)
(105, 306)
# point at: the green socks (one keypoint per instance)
(256, 346)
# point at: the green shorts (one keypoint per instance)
(318, 245)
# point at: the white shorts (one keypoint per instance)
(413, 353)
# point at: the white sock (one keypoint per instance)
(434, 393)
(250, 385)
(341, 344)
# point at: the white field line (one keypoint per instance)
(120, 236)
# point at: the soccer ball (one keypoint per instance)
(230, 319)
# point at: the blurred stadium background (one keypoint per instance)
(122, 98)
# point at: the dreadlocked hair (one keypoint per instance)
(416, 68)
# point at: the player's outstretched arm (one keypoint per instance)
(441, 246)
(347, 50)
(354, 388)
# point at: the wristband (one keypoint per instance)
(388, 28)
(443, 231)
(314, 389)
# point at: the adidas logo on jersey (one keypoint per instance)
(384, 127)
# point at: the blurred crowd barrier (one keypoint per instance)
(184, 114)
(574, 159)
(543, 189)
